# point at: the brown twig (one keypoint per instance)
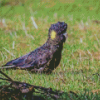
(6, 75)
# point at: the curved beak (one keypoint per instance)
(65, 34)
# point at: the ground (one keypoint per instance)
(79, 70)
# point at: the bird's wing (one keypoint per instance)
(21, 62)
(34, 59)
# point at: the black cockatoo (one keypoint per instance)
(45, 58)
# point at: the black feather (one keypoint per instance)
(46, 57)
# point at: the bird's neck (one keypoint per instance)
(52, 42)
(53, 45)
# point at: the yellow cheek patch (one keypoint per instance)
(53, 35)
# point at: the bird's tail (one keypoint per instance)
(7, 67)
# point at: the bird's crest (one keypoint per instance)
(53, 35)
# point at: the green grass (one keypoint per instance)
(81, 54)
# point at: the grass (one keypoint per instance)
(79, 69)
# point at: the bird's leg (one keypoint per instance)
(40, 70)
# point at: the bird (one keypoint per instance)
(46, 57)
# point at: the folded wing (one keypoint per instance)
(35, 59)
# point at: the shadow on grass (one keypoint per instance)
(71, 96)
(47, 96)
(15, 90)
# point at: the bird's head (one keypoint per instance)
(57, 33)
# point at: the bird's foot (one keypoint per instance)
(40, 70)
